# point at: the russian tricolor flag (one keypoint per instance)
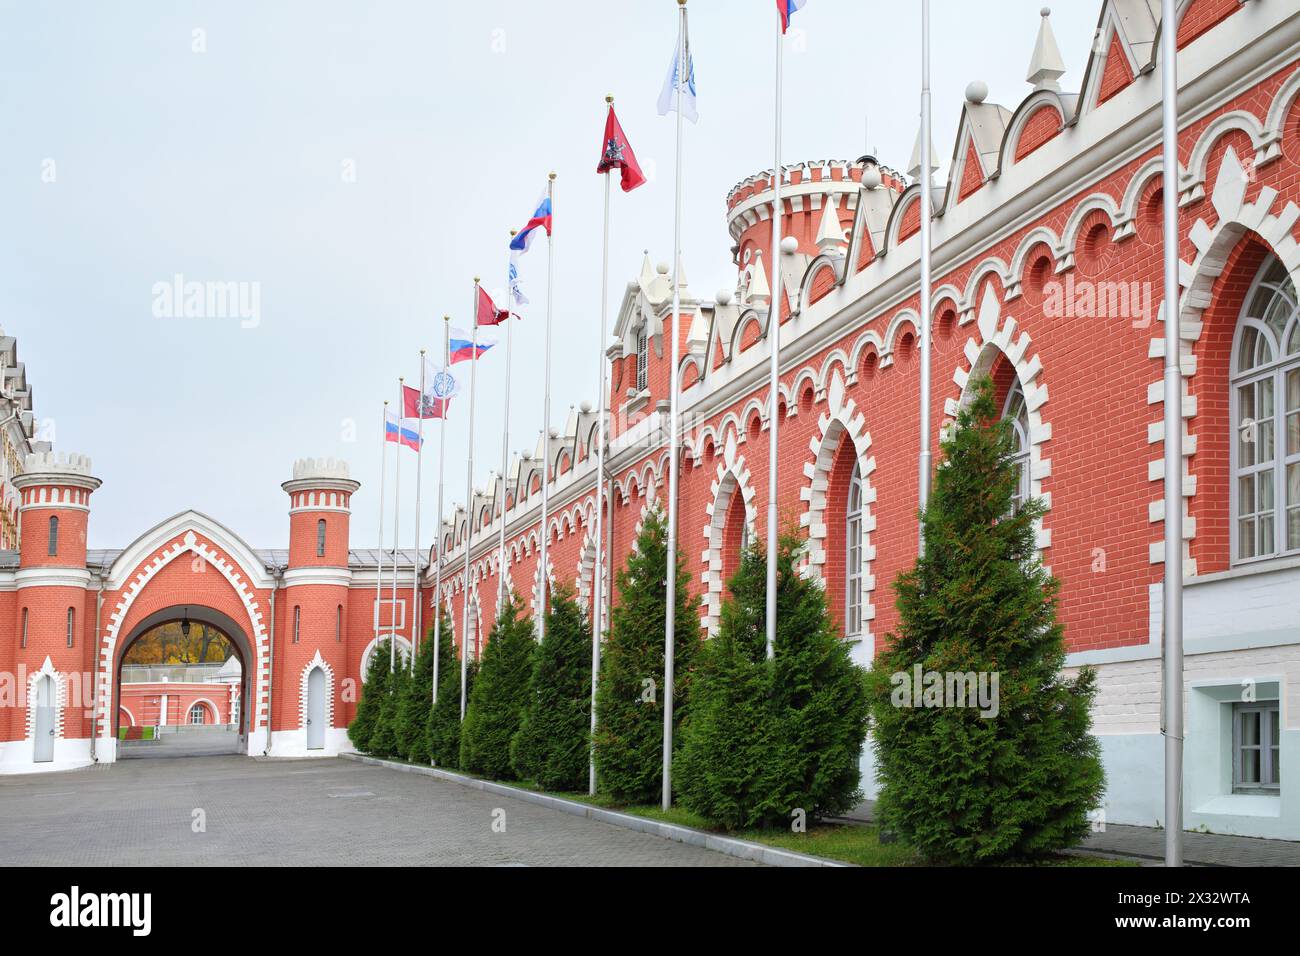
(399, 433)
(787, 9)
(541, 220)
(462, 348)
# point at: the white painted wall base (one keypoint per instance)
(293, 743)
(69, 754)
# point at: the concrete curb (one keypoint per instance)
(741, 849)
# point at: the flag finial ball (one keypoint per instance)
(551, 177)
(1045, 12)
(476, 280)
(610, 99)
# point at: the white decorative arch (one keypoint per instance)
(805, 377)
(584, 582)
(894, 330)
(992, 337)
(537, 602)
(1042, 235)
(968, 303)
(1070, 234)
(1029, 107)
(403, 646)
(842, 420)
(1191, 181)
(1128, 205)
(212, 708)
(869, 338)
(228, 558)
(733, 476)
(60, 699)
(1274, 223)
(311, 665)
(1277, 114)
(836, 357)
(130, 716)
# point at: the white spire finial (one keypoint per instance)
(1046, 65)
(914, 166)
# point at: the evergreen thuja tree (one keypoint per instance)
(629, 696)
(553, 744)
(384, 739)
(500, 692)
(372, 692)
(1014, 772)
(442, 731)
(769, 739)
(414, 706)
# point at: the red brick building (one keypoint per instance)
(1047, 245)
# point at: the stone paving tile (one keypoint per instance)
(298, 813)
(1206, 849)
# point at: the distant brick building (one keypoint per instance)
(1047, 244)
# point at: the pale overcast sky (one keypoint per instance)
(127, 156)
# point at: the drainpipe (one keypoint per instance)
(94, 671)
(270, 664)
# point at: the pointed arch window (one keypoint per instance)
(54, 536)
(1016, 412)
(320, 538)
(297, 622)
(1266, 419)
(854, 577)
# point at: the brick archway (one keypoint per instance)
(217, 574)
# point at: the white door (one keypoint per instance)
(316, 709)
(44, 722)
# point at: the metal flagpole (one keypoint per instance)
(417, 617)
(1173, 397)
(546, 414)
(923, 465)
(442, 457)
(397, 507)
(774, 367)
(682, 77)
(505, 457)
(383, 480)
(469, 500)
(597, 574)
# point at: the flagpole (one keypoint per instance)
(923, 462)
(670, 623)
(397, 507)
(416, 633)
(598, 572)
(1173, 399)
(546, 412)
(383, 480)
(505, 455)
(442, 457)
(774, 364)
(469, 499)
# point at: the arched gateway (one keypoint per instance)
(299, 620)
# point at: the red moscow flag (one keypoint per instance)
(427, 406)
(617, 151)
(488, 313)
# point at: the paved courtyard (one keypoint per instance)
(261, 812)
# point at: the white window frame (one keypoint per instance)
(401, 606)
(854, 556)
(1275, 371)
(197, 708)
(1019, 418)
(642, 357)
(1269, 750)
